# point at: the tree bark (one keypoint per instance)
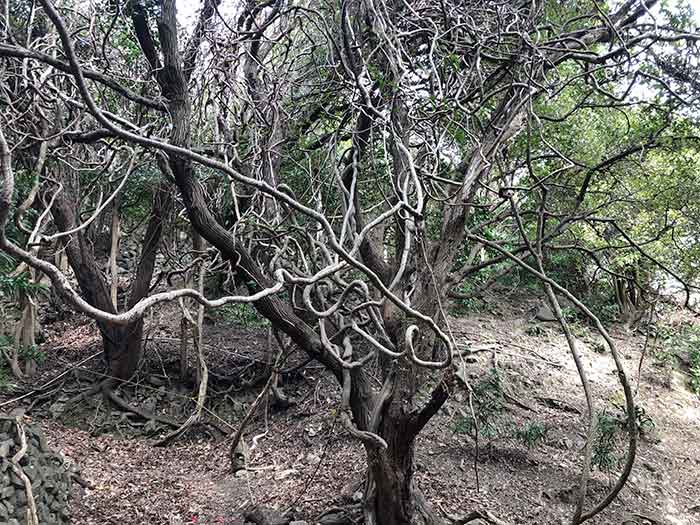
(114, 251)
(389, 495)
(122, 345)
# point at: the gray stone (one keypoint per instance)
(43, 444)
(5, 447)
(46, 471)
(544, 313)
(16, 480)
(32, 472)
(313, 459)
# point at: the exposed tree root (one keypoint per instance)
(424, 510)
(201, 397)
(110, 393)
(474, 515)
(45, 386)
(348, 515)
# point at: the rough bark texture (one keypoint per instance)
(123, 345)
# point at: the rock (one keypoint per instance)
(157, 381)
(544, 313)
(313, 459)
(5, 447)
(45, 470)
(16, 480)
(265, 516)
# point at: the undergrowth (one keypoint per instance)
(680, 343)
(490, 420)
(611, 433)
(242, 314)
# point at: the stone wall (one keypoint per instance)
(49, 476)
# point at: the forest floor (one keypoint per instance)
(302, 458)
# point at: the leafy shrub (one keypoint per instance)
(489, 420)
(599, 347)
(32, 353)
(605, 450)
(489, 404)
(243, 314)
(611, 431)
(531, 434)
(535, 330)
(683, 340)
(13, 286)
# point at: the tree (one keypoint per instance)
(358, 150)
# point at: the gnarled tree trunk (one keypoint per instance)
(389, 495)
(123, 345)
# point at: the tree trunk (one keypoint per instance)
(114, 251)
(389, 495)
(25, 333)
(123, 348)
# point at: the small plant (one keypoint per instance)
(645, 424)
(535, 330)
(598, 347)
(578, 330)
(605, 446)
(676, 341)
(611, 429)
(468, 305)
(532, 434)
(569, 313)
(32, 353)
(607, 313)
(489, 404)
(243, 314)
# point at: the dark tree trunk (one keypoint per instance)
(123, 348)
(390, 475)
(123, 345)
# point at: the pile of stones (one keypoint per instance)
(49, 475)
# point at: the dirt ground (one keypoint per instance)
(303, 459)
